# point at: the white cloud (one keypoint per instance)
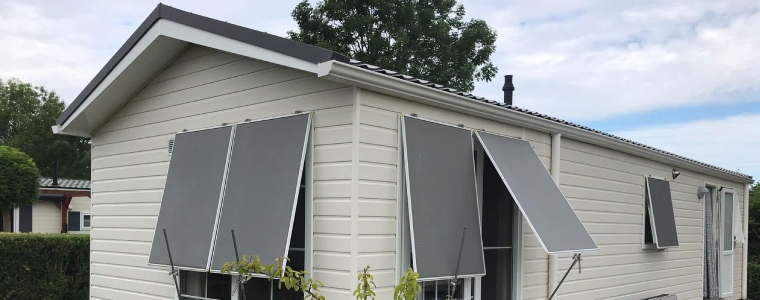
(730, 142)
(62, 44)
(591, 60)
(577, 59)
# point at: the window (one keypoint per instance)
(240, 180)
(659, 220)
(497, 221)
(442, 200)
(223, 287)
(208, 285)
(86, 220)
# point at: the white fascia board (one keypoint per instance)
(144, 42)
(191, 35)
(57, 129)
(348, 74)
(201, 37)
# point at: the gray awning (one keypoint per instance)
(262, 189)
(441, 189)
(537, 195)
(660, 211)
(191, 198)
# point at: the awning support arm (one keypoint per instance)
(576, 260)
(237, 257)
(456, 272)
(171, 262)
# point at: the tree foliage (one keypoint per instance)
(422, 38)
(19, 179)
(26, 114)
(299, 281)
(366, 284)
(407, 288)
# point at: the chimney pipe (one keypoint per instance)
(508, 88)
(55, 172)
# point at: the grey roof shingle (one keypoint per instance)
(63, 183)
(380, 70)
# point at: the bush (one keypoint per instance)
(753, 280)
(44, 266)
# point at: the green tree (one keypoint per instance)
(26, 114)
(422, 38)
(753, 236)
(19, 182)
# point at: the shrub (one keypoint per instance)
(753, 280)
(44, 266)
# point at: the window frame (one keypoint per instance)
(645, 215)
(403, 241)
(308, 172)
(81, 220)
(728, 290)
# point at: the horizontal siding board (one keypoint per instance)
(200, 89)
(306, 102)
(200, 64)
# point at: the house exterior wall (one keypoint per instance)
(80, 204)
(204, 88)
(355, 185)
(605, 188)
(46, 217)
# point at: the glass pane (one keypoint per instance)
(192, 283)
(218, 286)
(728, 222)
(439, 289)
(86, 222)
(257, 289)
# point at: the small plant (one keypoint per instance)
(364, 288)
(407, 288)
(293, 280)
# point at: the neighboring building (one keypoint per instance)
(63, 206)
(300, 151)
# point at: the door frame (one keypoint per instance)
(729, 289)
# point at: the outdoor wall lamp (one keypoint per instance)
(675, 173)
(702, 191)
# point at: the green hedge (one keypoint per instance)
(44, 266)
(753, 280)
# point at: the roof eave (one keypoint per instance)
(342, 72)
(307, 53)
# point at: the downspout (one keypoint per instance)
(745, 246)
(555, 159)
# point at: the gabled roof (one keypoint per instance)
(63, 183)
(249, 36)
(310, 58)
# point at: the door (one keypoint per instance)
(726, 251)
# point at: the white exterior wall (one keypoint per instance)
(46, 217)
(80, 204)
(379, 147)
(205, 88)
(605, 188)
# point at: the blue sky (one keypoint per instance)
(681, 75)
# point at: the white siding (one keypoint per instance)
(605, 188)
(83, 205)
(46, 217)
(80, 204)
(204, 88)
(379, 181)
